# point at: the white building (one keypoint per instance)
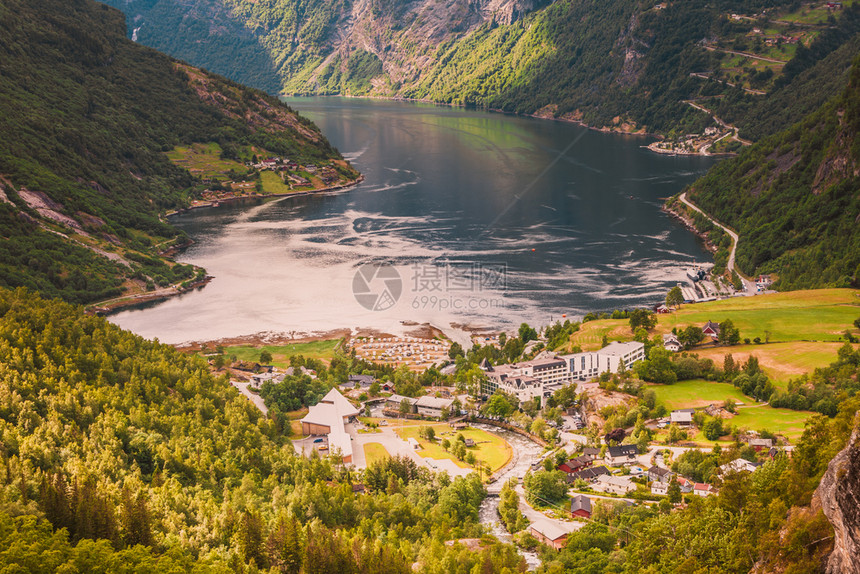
(433, 406)
(660, 488)
(328, 417)
(544, 375)
(591, 364)
(739, 465)
(671, 343)
(613, 484)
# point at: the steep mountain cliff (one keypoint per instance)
(839, 494)
(618, 64)
(87, 117)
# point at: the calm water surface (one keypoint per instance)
(487, 220)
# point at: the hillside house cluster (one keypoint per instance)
(276, 376)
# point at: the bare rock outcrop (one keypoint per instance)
(839, 493)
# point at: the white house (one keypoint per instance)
(739, 465)
(660, 488)
(671, 343)
(621, 455)
(433, 406)
(613, 484)
(682, 418)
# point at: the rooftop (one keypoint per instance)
(549, 530)
(618, 348)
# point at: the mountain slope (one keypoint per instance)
(87, 117)
(617, 64)
(794, 198)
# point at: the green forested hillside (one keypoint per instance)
(119, 454)
(87, 117)
(115, 438)
(794, 198)
(615, 63)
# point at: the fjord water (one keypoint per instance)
(489, 220)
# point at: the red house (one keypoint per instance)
(712, 330)
(575, 464)
(581, 506)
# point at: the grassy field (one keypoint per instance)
(491, 450)
(373, 451)
(204, 160)
(782, 421)
(781, 361)
(281, 354)
(697, 394)
(272, 183)
(805, 328)
(296, 429)
(820, 315)
(752, 416)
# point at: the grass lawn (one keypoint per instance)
(272, 183)
(782, 421)
(755, 417)
(204, 160)
(281, 353)
(297, 415)
(781, 361)
(296, 429)
(814, 315)
(697, 393)
(373, 451)
(490, 449)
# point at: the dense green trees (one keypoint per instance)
(794, 210)
(114, 438)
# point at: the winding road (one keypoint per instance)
(749, 286)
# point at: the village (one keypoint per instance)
(226, 179)
(450, 429)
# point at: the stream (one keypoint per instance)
(525, 454)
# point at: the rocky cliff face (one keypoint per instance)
(839, 494)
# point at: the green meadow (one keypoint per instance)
(281, 354)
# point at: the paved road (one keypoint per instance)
(253, 397)
(749, 286)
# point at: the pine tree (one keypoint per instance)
(285, 546)
(251, 538)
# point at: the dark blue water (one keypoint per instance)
(489, 220)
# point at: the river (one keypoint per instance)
(526, 453)
(465, 217)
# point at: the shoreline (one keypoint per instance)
(536, 115)
(117, 304)
(688, 223)
(238, 198)
(653, 147)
